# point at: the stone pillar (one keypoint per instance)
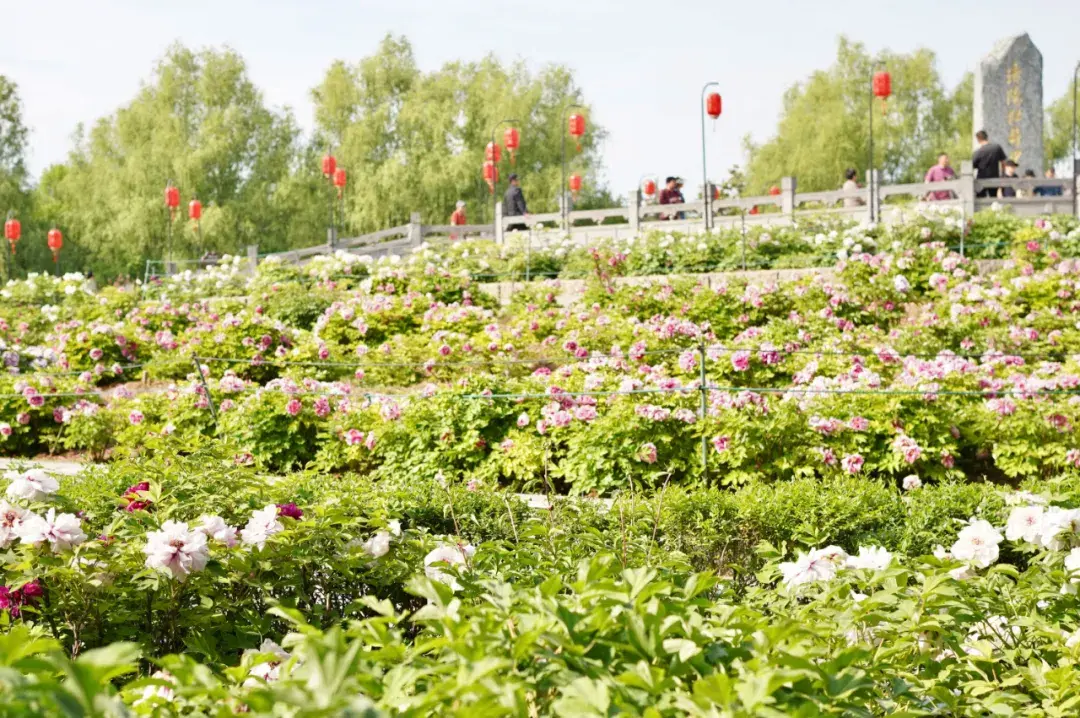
(633, 211)
(787, 195)
(500, 231)
(253, 258)
(967, 188)
(875, 196)
(1009, 101)
(416, 230)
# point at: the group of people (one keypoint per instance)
(672, 194)
(513, 206)
(989, 162)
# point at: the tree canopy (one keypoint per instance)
(823, 127)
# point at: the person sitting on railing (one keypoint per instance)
(941, 172)
(1010, 173)
(457, 219)
(1050, 191)
(514, 204)
(851, 186)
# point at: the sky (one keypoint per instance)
(641, 65)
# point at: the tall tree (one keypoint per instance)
(823, 126)
(1058, 133)
(414, 141)
(14, 194)
(200, 123)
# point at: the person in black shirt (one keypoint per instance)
(514, 204)
(987, 161)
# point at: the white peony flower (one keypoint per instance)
(10, 520)
(32, 485)
(911, 482)
(1056, 526)
(176, 549)
(874, 558)
(454, 555)
(62, 532)
(807, 569)
(267, 671)
(261, 526)
(1024, 524)
(378, 545)
(978, 543)
(901, 284)
(165, 693)
(1072, 566)
(215, 527)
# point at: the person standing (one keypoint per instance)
(668, 193)
(457, 219)
(941, 172)
(514, 204)
(988, 160)
(679, 198)
(851, 186)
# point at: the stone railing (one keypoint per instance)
(967, 195)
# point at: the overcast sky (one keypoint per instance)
(641, 64)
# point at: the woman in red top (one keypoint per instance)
(458, 217)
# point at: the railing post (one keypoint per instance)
(633, 211)
(876, 194)
(500, 231)
(869, 197)
(416, 230)
(253, 258)
(967, 188)
(787, 196)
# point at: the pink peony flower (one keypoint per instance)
(721, 443)
(852, 463)
(647, 453)
(740, 360)
(290, 510)
(136, 417)
(293, 407)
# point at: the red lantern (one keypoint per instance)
(172, 197)
(12, 232)
(575, 183)
(493, 152)
(56, 243)
(491, 175)
(329, 164)
(713, 105)
(339, 181)
(649, 188)
(774, 191)
(194, 209)
(715, 193)
(576, 126)
(882, 85)
(512, 140)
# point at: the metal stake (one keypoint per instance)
(206, 388)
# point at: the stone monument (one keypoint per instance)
(1009, 100)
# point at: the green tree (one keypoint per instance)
(823, 127)
(414, 141)
(1058, 132)
(202, 124)
(14, 192)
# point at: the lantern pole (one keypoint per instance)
(11, 246)
(1076, 145)
(872, 194)
(704, 170)
(330, 184)
(562, 185)
(168, 249)
(495, 175)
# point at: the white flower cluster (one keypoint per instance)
(823, 564)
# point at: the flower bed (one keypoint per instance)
(195, 585)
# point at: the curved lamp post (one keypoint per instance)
(880, 86)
